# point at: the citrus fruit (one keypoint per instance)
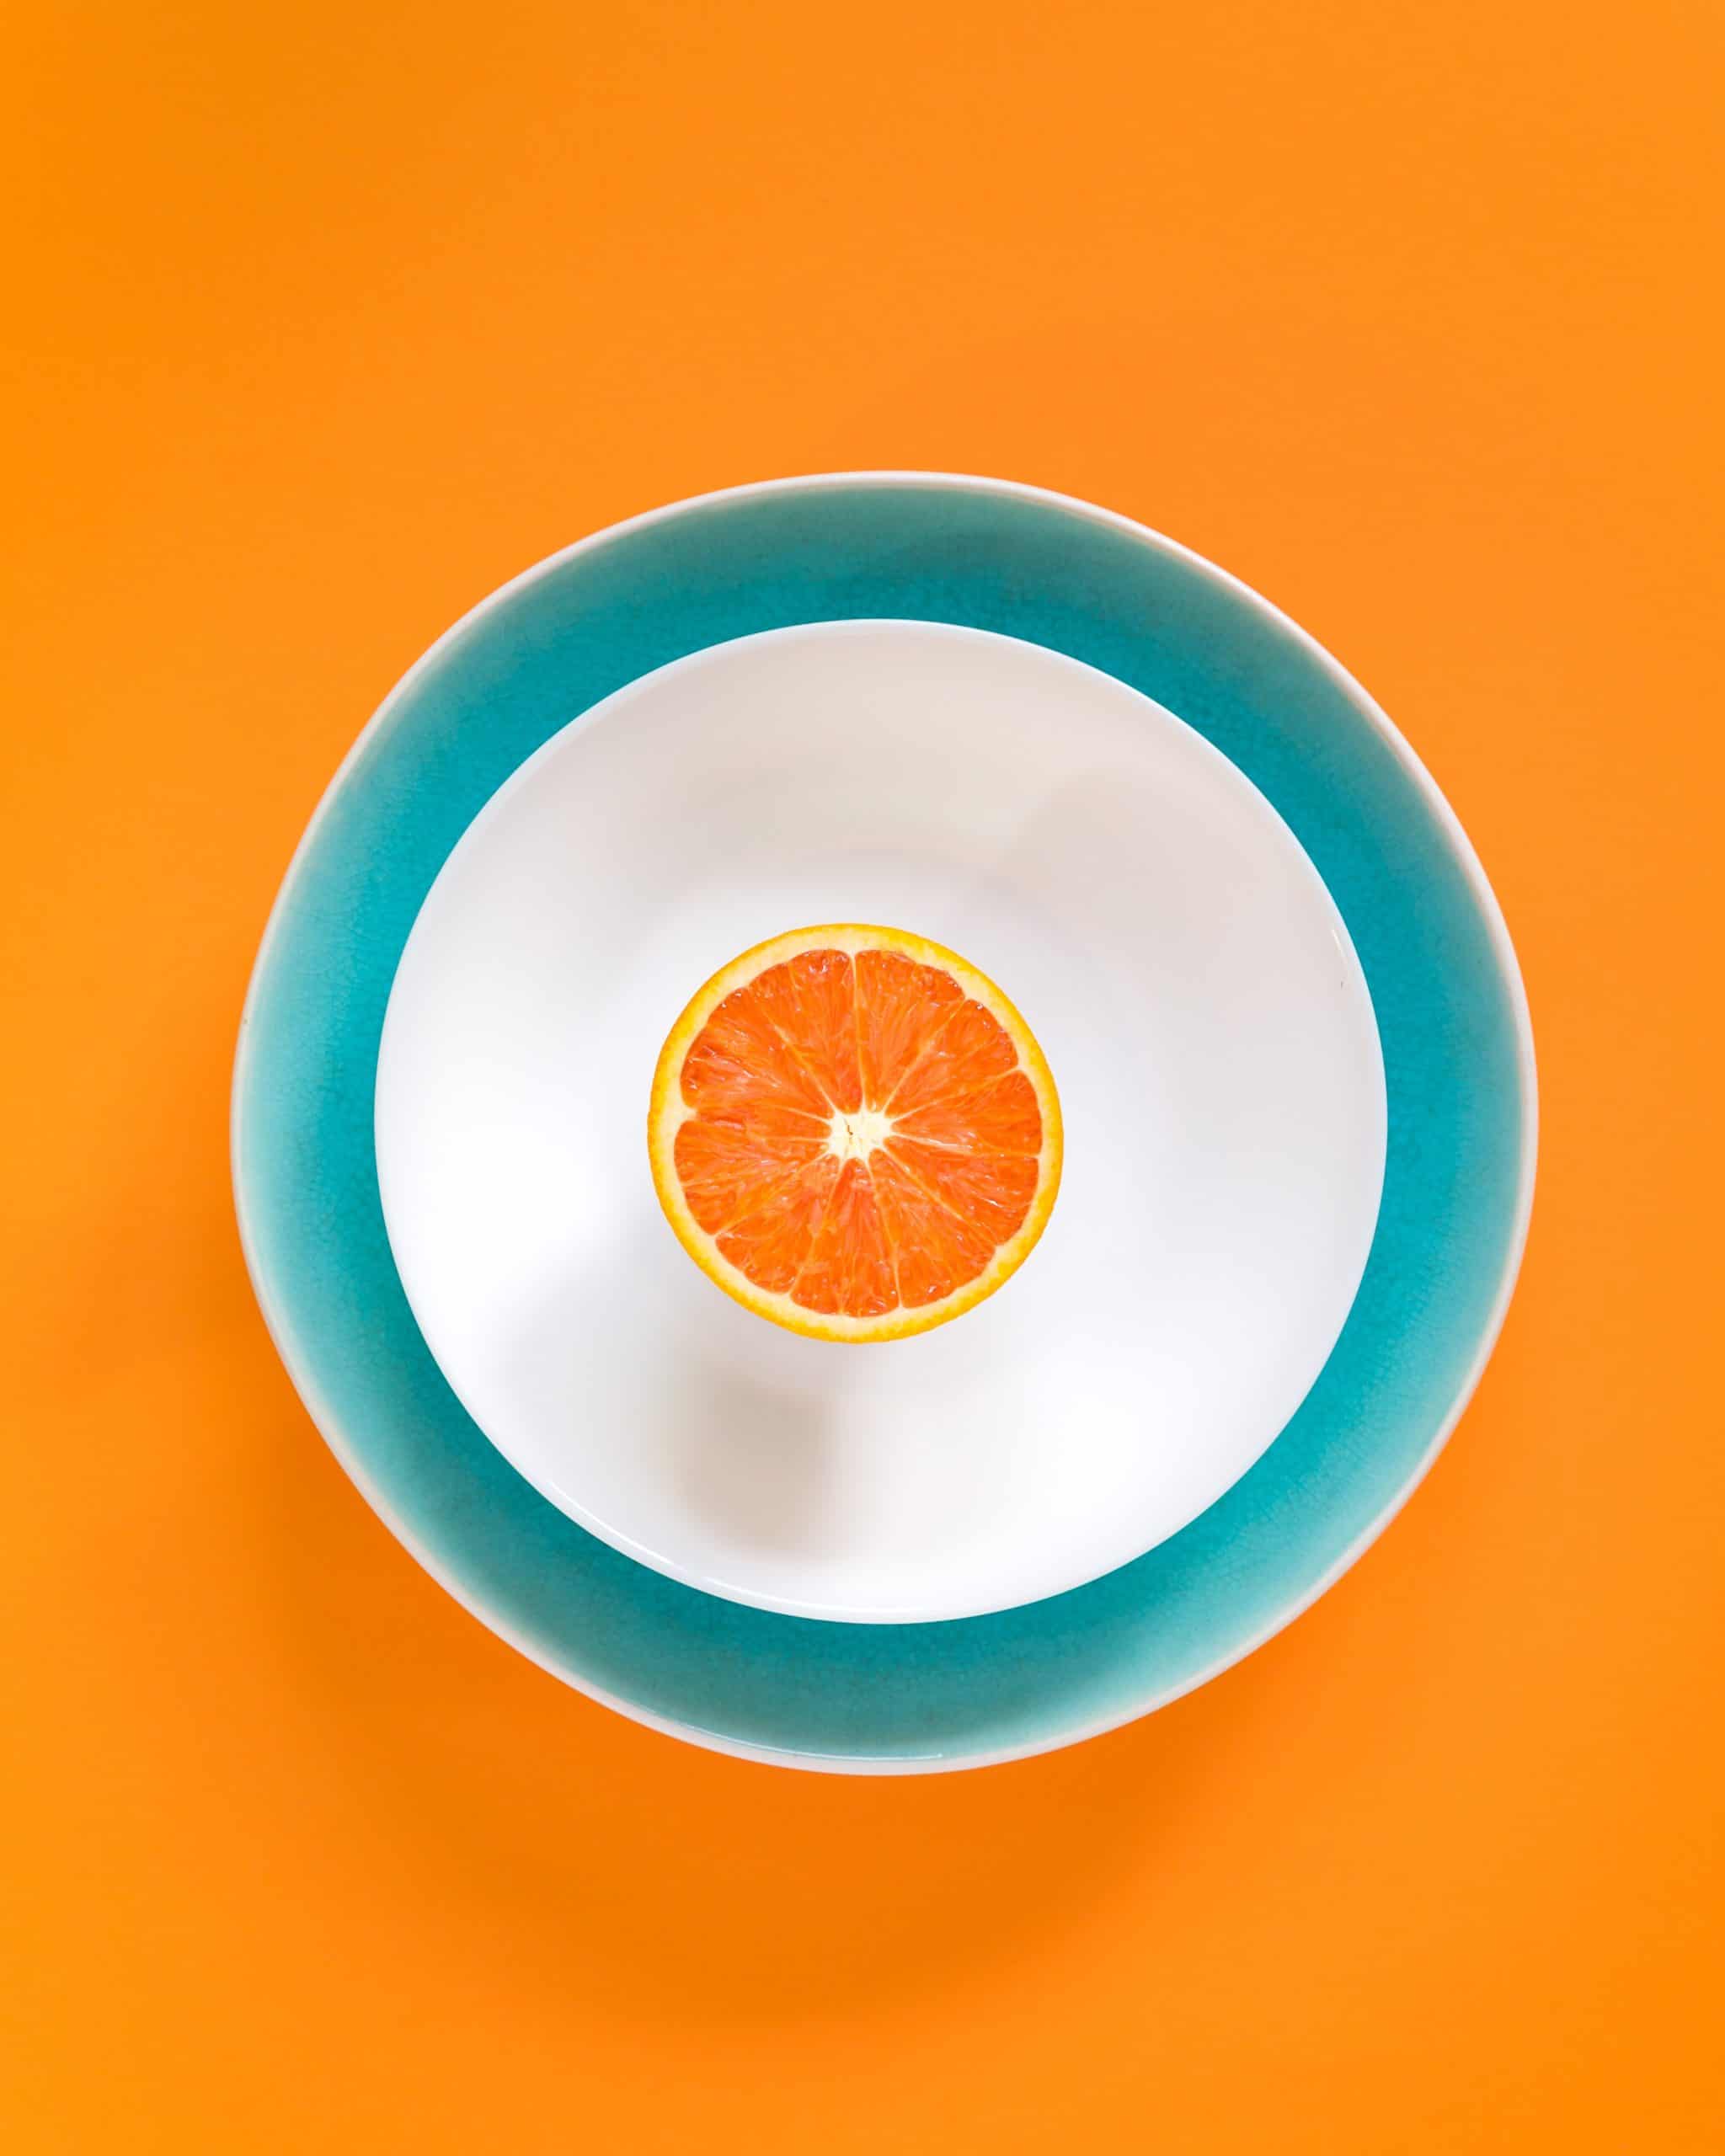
(854, 1134)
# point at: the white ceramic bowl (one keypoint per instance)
(1179, 959)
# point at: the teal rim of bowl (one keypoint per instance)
(989, 554)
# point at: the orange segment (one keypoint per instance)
(850, 1268)
(992, 1190)
(937, 1251)
(901, 1007)
(854, 1134)
(741, 1069)
(810, 1001)
(771, 1245)
(972, 1047)
(1002, 1117)
(726, 1172)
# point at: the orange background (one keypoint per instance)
(324, 321)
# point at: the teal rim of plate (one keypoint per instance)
(988, 554)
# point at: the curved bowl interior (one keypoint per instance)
(1183, 968)
(1450, 1018)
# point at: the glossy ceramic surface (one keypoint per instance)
(1451, 1016)
(1175, 954)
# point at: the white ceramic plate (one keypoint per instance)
(1170, 944)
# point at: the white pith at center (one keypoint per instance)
(854, 1136)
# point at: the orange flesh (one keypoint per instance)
(802, 1207)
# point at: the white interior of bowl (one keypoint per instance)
(1169, 942)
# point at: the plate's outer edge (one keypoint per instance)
(990, 554)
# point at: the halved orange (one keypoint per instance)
(854, 1134)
